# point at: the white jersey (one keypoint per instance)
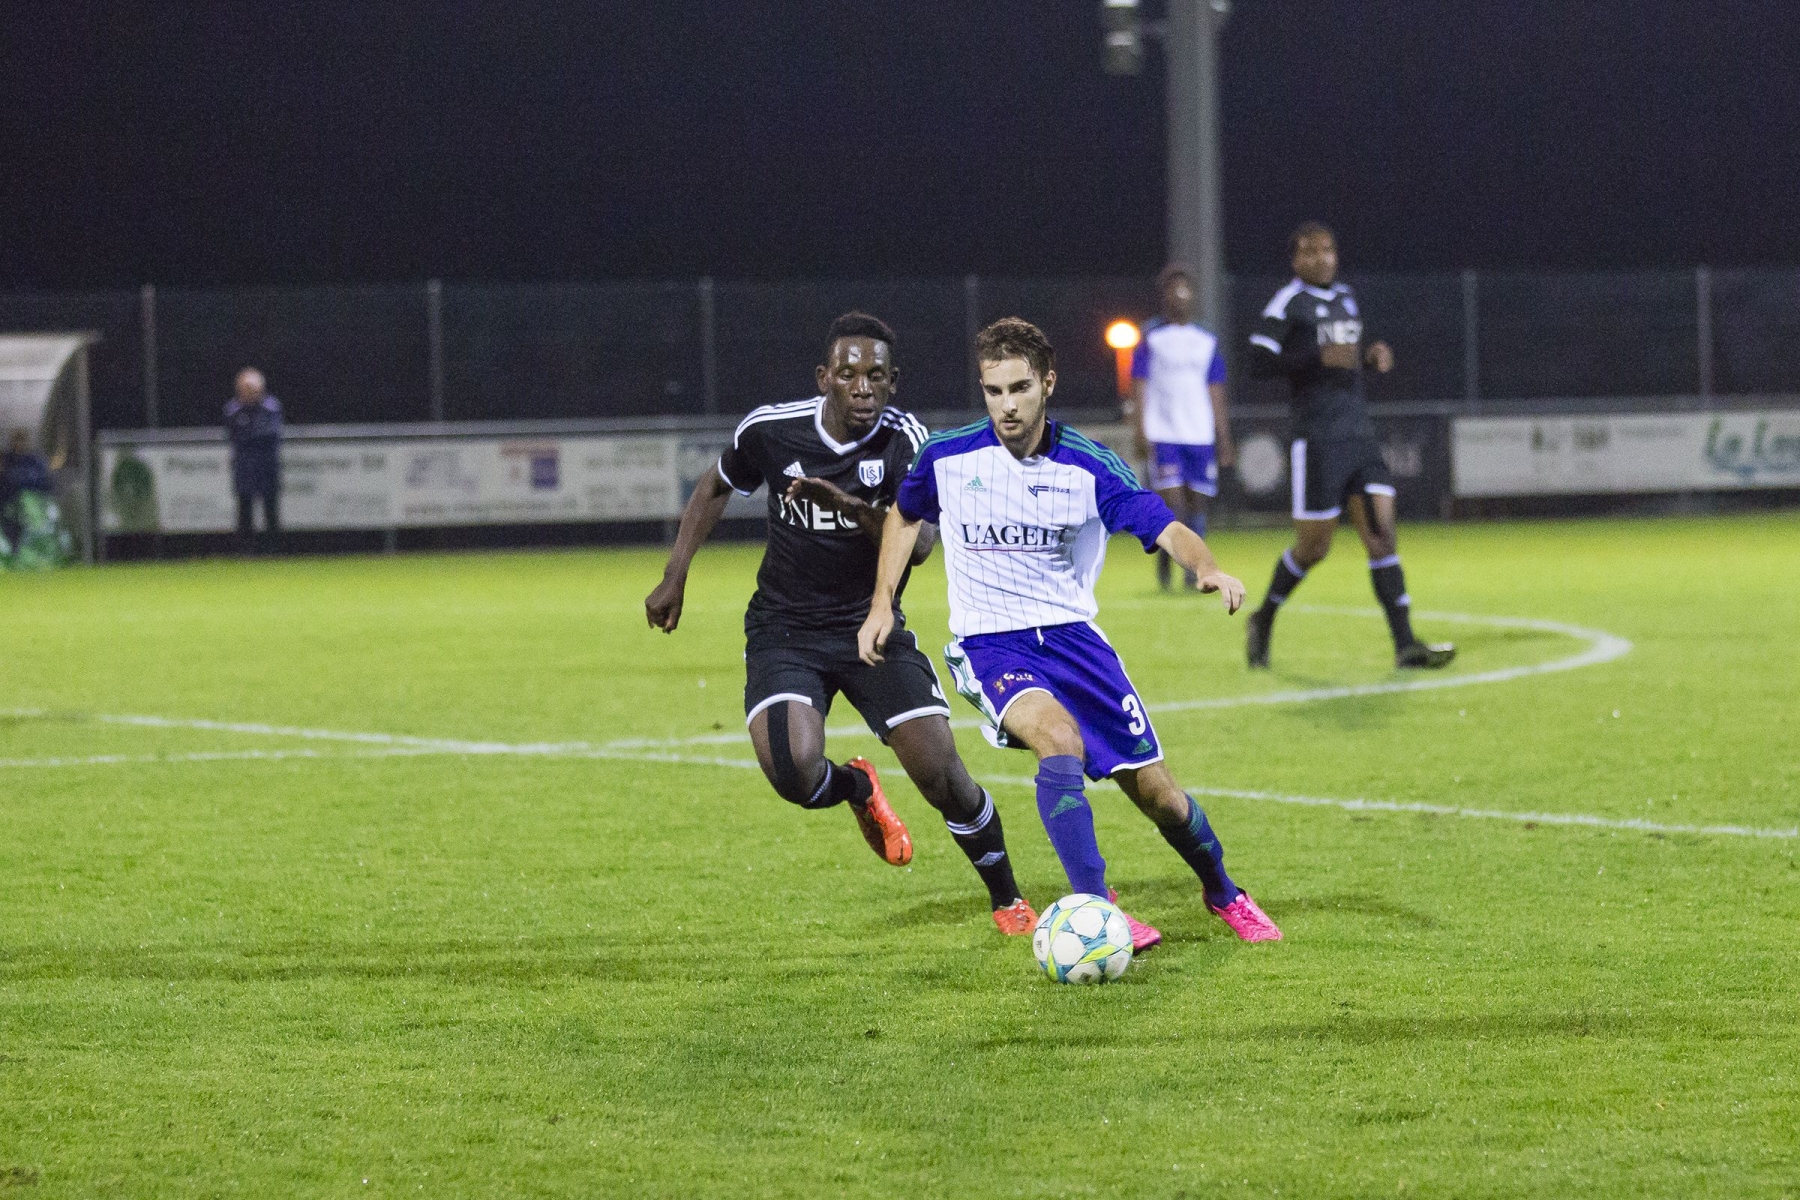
(1024, 540)
(1177, 364)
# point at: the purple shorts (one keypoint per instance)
(1173, 465)
(1077, 666)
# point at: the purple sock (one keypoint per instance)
(1070, 823)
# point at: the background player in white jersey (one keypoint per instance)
(832, 465)
(1178, 408)
(1024, 506)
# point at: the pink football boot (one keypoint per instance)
(1142, 936)
(1248, 921)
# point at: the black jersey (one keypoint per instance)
(1328, 402)
(818, 571)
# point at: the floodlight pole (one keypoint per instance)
(1195, 225)
(1190, 38)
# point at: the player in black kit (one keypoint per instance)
(1311, 334)
(832, 465)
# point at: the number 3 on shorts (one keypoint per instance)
(1135, 711)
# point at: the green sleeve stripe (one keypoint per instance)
(961, 431)
(1112, 461)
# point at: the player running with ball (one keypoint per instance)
(1024, 506)
(831, 465)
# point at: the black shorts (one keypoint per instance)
(1326, 473)
(813, 668)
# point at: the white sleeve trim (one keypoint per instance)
(1277, 306)
(1266, 342)
(720, 468)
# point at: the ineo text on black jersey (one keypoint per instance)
(818, 569)
(1328, 402)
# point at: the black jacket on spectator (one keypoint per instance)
(255, 433)
(25, 472)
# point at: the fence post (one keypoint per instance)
(147, 318)
(971, 327)
(434, 340)
(88, 447)
(1703, 331)
(1471, 299)
(709, 347)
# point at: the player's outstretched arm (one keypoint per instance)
(704, 508)
(898, 536)
(1187, 548)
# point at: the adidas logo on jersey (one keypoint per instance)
(974, 485)
(794, 470)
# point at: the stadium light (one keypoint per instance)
(1122, 336)
(1124, 45)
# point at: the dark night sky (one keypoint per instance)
(194, 141)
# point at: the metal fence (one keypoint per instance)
(457, 352)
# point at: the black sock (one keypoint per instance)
(1162, 569)
(1194, 841)
(1288, 575)
(985, 844)
(1390, 589)
(838, 785)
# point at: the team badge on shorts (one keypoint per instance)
(871, 472)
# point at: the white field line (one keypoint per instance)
(1602, 647)
(204, 756)
(1021, 781)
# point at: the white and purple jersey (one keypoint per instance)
(1178, 364)
(1024, 540)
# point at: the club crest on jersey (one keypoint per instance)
(871, 473)
(793, 470)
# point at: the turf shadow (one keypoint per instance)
(519, 960)
(939, 910)
(1509, 1026)
(1357, 904)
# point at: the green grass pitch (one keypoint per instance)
(431, 963)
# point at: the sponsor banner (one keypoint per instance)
(1624, 453)
(391, 483)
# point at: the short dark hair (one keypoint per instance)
(1175, 270)
(1015, 337)
(1308, 229)
(859, 325)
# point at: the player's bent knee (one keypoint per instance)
(1059, 740)
(1310, 552)
(800, 784)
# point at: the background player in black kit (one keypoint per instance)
(832, 465)
(1311, 333)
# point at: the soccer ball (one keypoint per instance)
(1082, 939)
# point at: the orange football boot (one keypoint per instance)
(1016, 919)
(881, 825)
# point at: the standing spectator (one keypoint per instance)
(253, 423)
(21, 470)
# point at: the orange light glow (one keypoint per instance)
(1122, 335)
